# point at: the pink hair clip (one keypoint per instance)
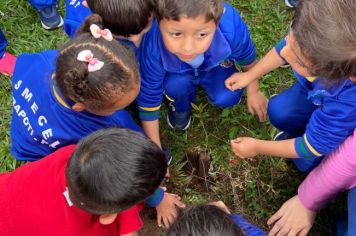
(93, 63)
(97, 32)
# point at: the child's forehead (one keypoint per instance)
(202, 20)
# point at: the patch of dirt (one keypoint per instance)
(150, 228)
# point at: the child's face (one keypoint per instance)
(188, 37)
(293, 55)
(121, 101)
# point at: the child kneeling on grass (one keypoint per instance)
(318, 112)
(92, 188)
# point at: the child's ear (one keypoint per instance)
(78, 107)
(84, 3)
(107, 219)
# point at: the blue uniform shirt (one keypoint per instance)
(334, 119)
(42, 121)
(231, 42)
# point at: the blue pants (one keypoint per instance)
(40, 4)
(3, 43)
(290, 111)
(182, 88)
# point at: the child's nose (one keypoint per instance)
(188, 45)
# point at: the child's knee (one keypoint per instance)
(226, 100)
(278, 116)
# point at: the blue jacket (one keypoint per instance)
(231, 42)
(42, 120)
(334, 119)
(248, 228)
(75, 16)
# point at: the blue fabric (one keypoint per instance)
(351, 209)
(197, 61)
(181, 88)
(320, 117)
(3, 44)
(155, 198)
(231, 43)
(75, 16)
(248, 228)
(40, 4)
(40, 124)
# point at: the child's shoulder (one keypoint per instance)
(231, 24)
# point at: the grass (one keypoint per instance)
(255, 188)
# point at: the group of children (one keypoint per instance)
(151, 51)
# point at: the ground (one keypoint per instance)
(255, 188)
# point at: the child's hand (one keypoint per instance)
(244, 147)
(238, 80)
(166, 209)
(257, 104)
(221, 205)
(292, 219)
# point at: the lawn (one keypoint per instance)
(254, 188)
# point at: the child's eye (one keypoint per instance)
(202, 35)
(175, 34)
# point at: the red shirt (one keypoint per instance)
(32, 203)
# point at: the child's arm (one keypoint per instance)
(130, 234)
(334, 174)
(151, 129)
(268, 63)
(245, 147)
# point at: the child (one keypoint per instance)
(49, 15)
(126, 19)
(210, 220)
(336, 173)
(61, 96)
(7, 60)
(89, 189)
(193, 43)
(316, 113)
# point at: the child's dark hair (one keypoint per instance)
(95, 89)
(114, 169)
(326, 33)
(207, 220)
(123, 17)
(174, 9)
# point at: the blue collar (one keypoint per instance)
(218, 51)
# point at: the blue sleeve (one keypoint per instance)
(75, 16)
(152, 72)
(236, 30)
(329, 125)
(248, 228)
(155, 198)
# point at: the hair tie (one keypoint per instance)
(97, 32)
(93, 63)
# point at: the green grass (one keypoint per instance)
(255, 188)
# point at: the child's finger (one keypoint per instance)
(275, 217)
(179, 203)
(159, 220)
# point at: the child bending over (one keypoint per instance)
(94, 188)
(318, 112)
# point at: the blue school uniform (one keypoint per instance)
(40, 4)
(320, 117)
(75, 16)
(164, 73)
(3, 43)
(248, 228)
(42, 119)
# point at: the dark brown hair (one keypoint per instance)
(95, 89)
(174, 9)
(113, 169)
(326, 33)
(207, 220)
(123, 17)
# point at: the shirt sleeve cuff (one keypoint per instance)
(280, 45)
(155, 198)
(304, 149)
(146, 115)
(248, 60)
